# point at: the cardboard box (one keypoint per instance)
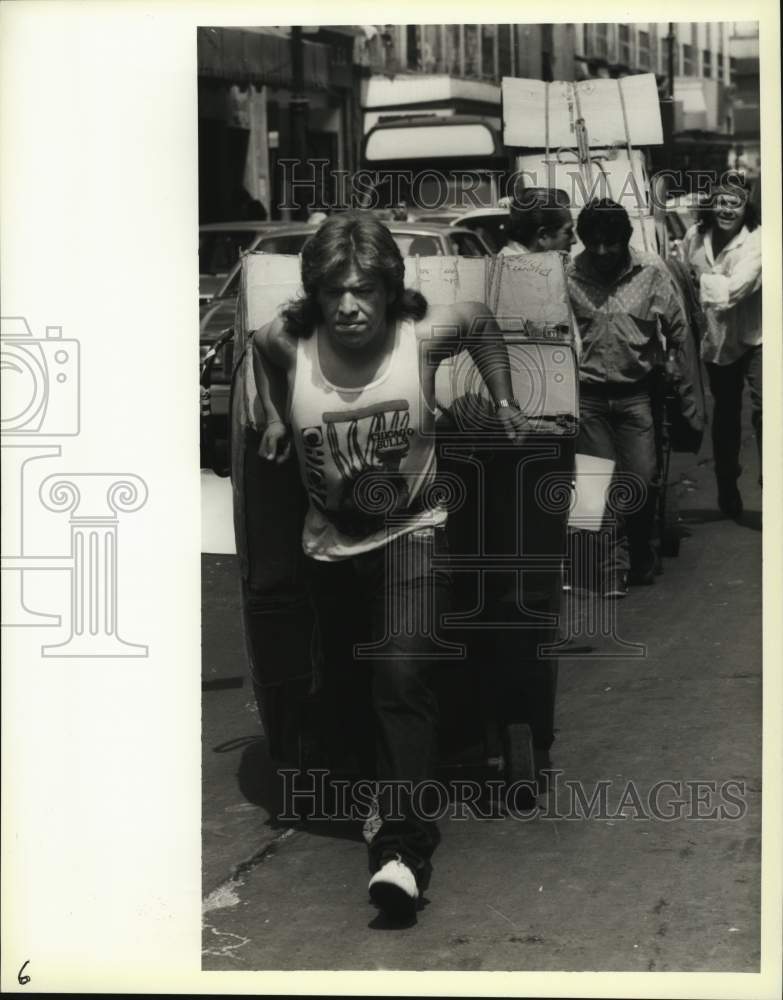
(527, 292)
(540, 115)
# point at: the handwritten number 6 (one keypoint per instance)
(23, 980)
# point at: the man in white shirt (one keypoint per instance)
(723, 252)
(341, 377)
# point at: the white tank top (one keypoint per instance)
(366, 454)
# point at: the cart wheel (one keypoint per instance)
(520, 766)
(671, 532)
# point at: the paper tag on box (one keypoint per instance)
(592, 477)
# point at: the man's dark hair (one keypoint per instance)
(351, 238)
(538, 208)
(732, 185)
(603, 221)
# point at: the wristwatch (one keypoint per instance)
(505, 404)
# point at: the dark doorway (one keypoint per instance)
(222, 153)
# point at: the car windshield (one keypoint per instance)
(466, 245)
(493, 229)
(291, 243)
(418, 245)
(218, 250)
(283, 243)
(410, 245)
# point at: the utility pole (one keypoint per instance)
(299, 109)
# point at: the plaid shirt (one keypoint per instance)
(619, 322)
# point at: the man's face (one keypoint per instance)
(354, 307)
(728, 212)
(562, 238)
(607, 259)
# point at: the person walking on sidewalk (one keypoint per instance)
(341, 373)
(540, 220)
(622, 298)
(723, 252)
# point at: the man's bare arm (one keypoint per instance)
(273, 356)
(471, 326)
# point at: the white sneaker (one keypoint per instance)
(393, 888)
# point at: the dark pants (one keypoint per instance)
(522, 684)
(618, 424)
(726, 385)
(383, 707)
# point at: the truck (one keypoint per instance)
(424, 163)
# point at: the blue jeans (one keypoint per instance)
(383, 707)
(617, 423)
(726, 385)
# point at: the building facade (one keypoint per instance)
(247, 95)
(474, 58)
(250, 95)
(744, 59)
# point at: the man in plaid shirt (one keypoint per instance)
(628, 313)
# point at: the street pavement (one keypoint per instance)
(618, 891)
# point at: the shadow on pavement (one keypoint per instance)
(261, 784)
(258, 778)
(750, 519)
(701, 515)
(222, 684)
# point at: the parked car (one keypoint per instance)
(217, 314)
(219, 247)
(424, 239)
(491, 224)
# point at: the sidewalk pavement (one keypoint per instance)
(613, 893)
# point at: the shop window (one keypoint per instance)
(432, 56)
(688, 60)
(624, 37)
(706, 63)
(506, 67)
(471, 50)
(598, 40)
(453, 49)
(547, 48)
(488, 67)
(643, 59)
(412, 45)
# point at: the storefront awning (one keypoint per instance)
(239, 56)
